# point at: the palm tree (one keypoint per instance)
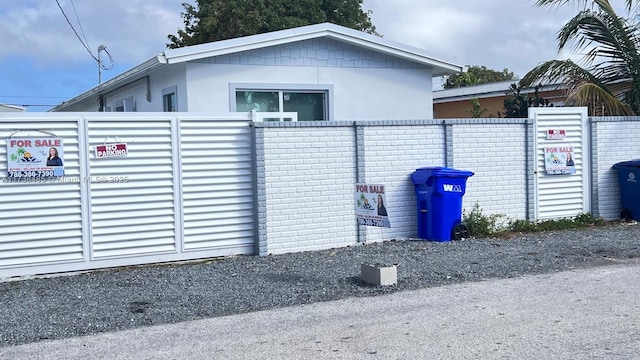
(609, 82)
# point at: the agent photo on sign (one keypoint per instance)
(382, 211)
(53, 159)
(569, 160)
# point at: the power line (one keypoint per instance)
(79, 23)
(75, 32)
(84, 43)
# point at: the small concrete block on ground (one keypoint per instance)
(377, 274)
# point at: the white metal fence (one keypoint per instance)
(184, 191)
(205, 185)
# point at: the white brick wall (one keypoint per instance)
(496, 153)
(617, 141)
(309, 178)
(310, 172)
(392, 154)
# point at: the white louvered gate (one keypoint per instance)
(133, 212)
(559, 196)
(184, 191)
(41, 222)
(217, 185)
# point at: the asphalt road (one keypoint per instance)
(591, 313)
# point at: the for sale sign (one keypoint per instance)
(111, 150)
(370, 205)
(558, 160)
(35, 157)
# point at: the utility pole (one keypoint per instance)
(100, 48)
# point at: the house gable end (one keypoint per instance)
(325, 31)
(314, 53)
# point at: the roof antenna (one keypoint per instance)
(101, 65)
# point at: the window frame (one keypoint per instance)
(123, 103)
(326, 89)
(167, 92)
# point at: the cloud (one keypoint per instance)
(498, 34)
(132, 30)
(42, 56)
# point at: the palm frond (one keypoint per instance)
(604, 33)
(555, 71)
(599, 100)
(558, 3)
(610, 71)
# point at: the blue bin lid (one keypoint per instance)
(421, 175)
(631, 163)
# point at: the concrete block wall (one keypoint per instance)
(309, 177)
(392, 153)
(616, 139)
(497, 154)
(306, 173)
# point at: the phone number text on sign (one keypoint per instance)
(371, 222)
(32, 174)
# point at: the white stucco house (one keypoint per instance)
(208, 180)
(322, 72)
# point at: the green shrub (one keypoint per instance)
(524, 226)
(480, 225)
(589, 220)
(580, 221)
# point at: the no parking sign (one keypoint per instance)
(111, 150)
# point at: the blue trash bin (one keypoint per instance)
(439, 192)
(629, 180)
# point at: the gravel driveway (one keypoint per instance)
(60, 307)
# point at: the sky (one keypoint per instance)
(43, 62)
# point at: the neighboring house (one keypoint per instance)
(10, 108)
(456, 103)
(322, 72)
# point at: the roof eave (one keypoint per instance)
(355, 37)
(13, 107)
(224, 47)
(438, 98)
(128, 76)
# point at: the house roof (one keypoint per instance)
(10, 108)
(484, 91)
(325, 30)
